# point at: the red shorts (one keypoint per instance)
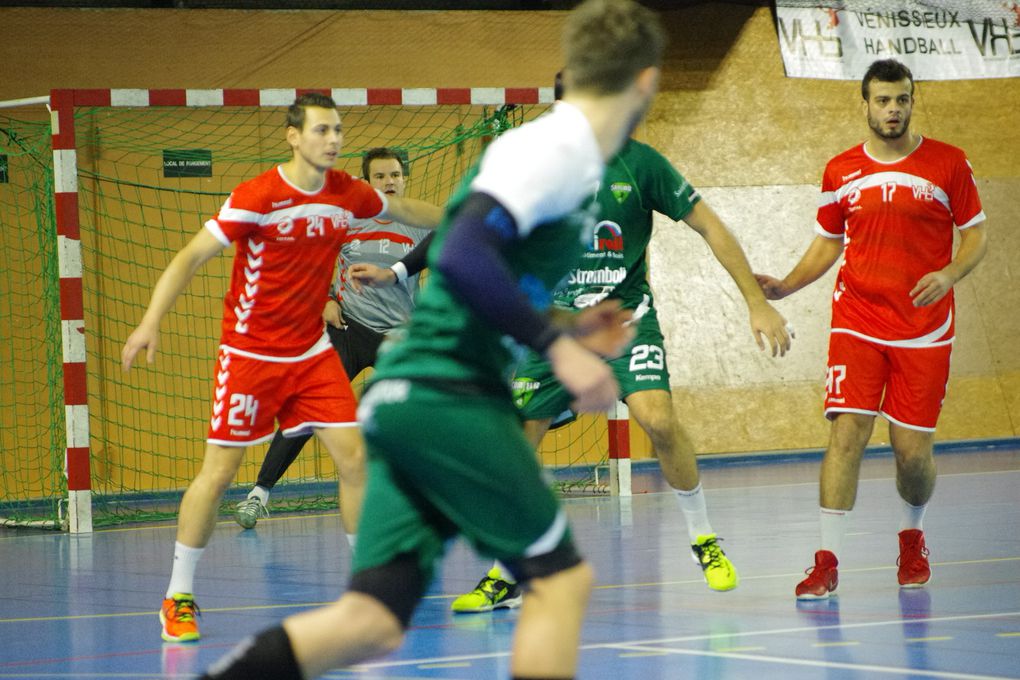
(251, 394)
(905, 384)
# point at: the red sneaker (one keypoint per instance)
(822, 578)
(914, 569)
(178, 615)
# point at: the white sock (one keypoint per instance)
(692, 503)
(912, 516)
(504, 573)
(260, 492)
(352, 540)
(182, 577)
(834, 523)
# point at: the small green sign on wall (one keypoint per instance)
(3, 169)
(187, 163)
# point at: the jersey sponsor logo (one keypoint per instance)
(924, 192)
(608, 236)
(620, 191)
(523, 389)
(282, 204)
(599, 277)
(591, 299)
(855, 173)
(686, 186)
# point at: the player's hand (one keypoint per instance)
(587, 377)
(771, 286)
(604, 328)
(769, 326)
(332, 314)
(931, 288)
(365, 274)
(143, 337)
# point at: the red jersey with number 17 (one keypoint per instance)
(287, 240)
(896, 221)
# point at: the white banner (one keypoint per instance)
(936, 44)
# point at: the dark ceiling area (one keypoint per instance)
(345, 4)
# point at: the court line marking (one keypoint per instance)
(608, 586)
(171, 524)
(870, 668)
(650, 645)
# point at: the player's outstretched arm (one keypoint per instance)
(171, 284)
(820, 255)
(365, 274)
(413, 212)
(362, 274)
(934, 286)
(767, 324)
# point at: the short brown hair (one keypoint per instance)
(885, 71)
(378, 153)
(606, 43)
(296, 111)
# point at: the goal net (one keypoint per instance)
(150, 167)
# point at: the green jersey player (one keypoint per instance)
(440, 399)
(638, 182)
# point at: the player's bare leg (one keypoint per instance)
(841, 466)
(201, 502)
(346, 447)
(653, 411)
(915, 464)
(195, 523)
(915, 481)
(837, 493)
(549, 628)
(355, 628)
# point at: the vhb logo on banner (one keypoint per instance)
(937, 40)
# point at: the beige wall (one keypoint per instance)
(753, 140)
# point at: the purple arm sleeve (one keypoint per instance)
(416, 260)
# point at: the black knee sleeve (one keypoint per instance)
(398, 584)
(266, 655)
(563, 557)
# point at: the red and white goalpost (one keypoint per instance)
(79, 342)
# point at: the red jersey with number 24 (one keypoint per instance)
(287, 240)
(896, 221)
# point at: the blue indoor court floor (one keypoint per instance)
(85, 607)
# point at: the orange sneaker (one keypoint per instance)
(178, 615)
(822, 578)
(914, 569)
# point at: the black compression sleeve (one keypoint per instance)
(471, 260)
(416, 260)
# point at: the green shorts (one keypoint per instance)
(539, 395)
(443, 463)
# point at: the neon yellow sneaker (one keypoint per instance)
(719, 572)
(492, 592)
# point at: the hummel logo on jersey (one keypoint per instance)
(855, 173)
(282, 204)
